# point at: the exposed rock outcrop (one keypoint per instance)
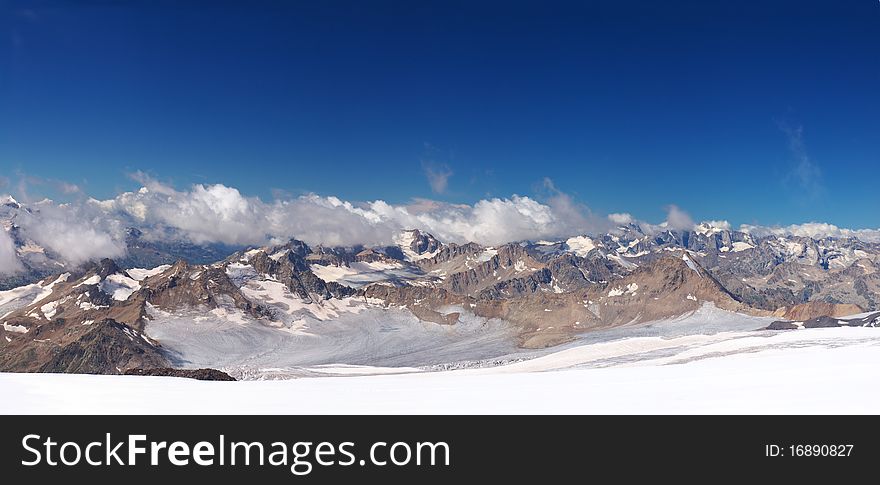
(198, 374)
(815, 309)
(106, 347)
(872, 320)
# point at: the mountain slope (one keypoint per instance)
(335, 302)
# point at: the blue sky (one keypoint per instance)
(762, 113)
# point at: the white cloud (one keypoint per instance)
(93, 229)
(723, 225)
(816, 230)
(805, 174)
(676, 218)
(438, 176)
(68, 188)
(75, 232)
(221, 214)
(326, 220)
(496, 221)
(572, 216)
(217, 213)
(621, 218)
(9, 262)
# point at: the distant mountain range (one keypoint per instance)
(111, 316)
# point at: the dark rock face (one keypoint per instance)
(108, 347)
(762, 298)
(872, 320)
(822, 322)
(420, 300)
(814, 309)
(861, 288)
(449, 252)
(199, 374)
(481, 275)
(184, 285)
(674, 238)
(393, 252)
(568, 274)
(330, 256)
(423, 243)
(516, 287)
(106, 267)
(573, 272)
(408, 294)
(293, 271)
(370, 256)
(819, 322)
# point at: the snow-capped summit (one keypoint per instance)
(417, 245)
(10, 201)
(708, 228)
(541, 293)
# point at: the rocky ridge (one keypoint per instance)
(92, 319)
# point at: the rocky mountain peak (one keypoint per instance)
(298, 248)
(708, 228)
(178, 268)
(107, 267)
(423, 242)
(9, 201)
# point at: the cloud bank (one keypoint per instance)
(217, 213)
(9, 262)
(815, 230)
(90, 229)
(676, 218)
(621, 218)
(76, 233)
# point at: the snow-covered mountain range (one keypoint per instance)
(417, 302)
